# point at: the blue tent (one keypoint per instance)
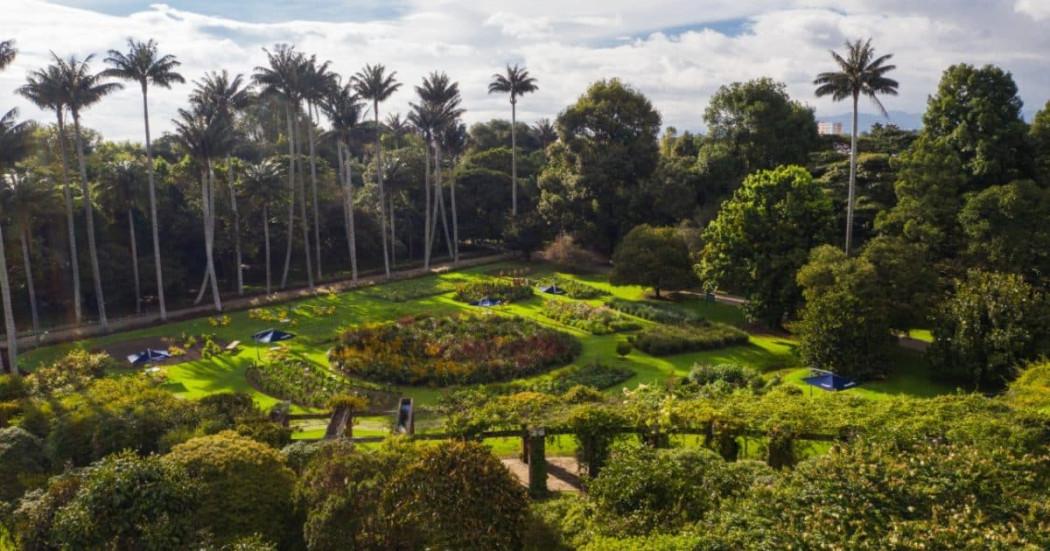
(148, 355)
(271, 336)
(487, 302)
(829, 381)
(553, 290)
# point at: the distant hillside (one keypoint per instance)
(907, 121)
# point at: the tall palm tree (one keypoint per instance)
(443, 97)
(144, 65)
(515, 82)
(14, 146)
(262, 181)
(83, 89)
(283, 79)
(398, 127)
(374, 84)
(860, 73)
(224, 95)
(45, 89)
(206, 135)
(545, 132)
(422, 118)
(344, 112)
(7, 53)
(317, 81)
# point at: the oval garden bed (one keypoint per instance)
(451, 350)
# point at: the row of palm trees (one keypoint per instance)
(304, 89)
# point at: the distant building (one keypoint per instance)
(826, 128)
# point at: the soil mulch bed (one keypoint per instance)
(121, 350)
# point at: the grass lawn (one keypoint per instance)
(316, 330)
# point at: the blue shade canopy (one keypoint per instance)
(148, 355)
(487, 302)
(270, 336)
(829, 381)
(552, 290)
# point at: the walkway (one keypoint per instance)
(561, 473)
(234, 304)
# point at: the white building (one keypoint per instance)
(827, 128)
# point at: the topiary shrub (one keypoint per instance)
(623, 348)
(246, 487)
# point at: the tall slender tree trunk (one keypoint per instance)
(426, 210)
(266, 242)
(236, 227)
(852, 178)
(134, 261)
(291, 197)
(382, 196)
(306, 221)
(153, 211)
(209, 234)
(27, 261)
(393, 234)
(350, 213)
(455, 220)
(313, 187)
(9, 314)
(89, 217)
(513, 156)
(439, 202)
(67, 195)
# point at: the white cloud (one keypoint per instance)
(566, 45)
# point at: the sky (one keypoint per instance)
(677, 52)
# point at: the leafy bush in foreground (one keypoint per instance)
(597, 320)
(654, 311)
(665, 340)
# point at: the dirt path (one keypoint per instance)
(561, 473)
(232, 304)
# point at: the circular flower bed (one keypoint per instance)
(441, 351)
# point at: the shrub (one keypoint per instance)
(72, 372)
(457, 495)
(592, 375)
(465, 349)
(125, 502)
(412, 289)
(23, 464)
(1032, 388)
(246, 487)
(582, 394)
(665, 340)
(653, 257)
(565, 253)
(501, 289)
(597, 320)
(731, 374)
(623, 348)
(12, 387)
(298, 381)
(654, 311)
(990, 327)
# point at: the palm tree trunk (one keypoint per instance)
(209, 234)
(266, 241)
(852, 178)
(382, 198)
(350, 212)
(313, 187)
(9, 314)
(134, 261)
(393, 234)
(426, 210)
(439, 202)
(455, 220)
(513, 157)
(89, 217)
(236, 228)
(302, 212)
(24, 238)
(67, 195)
(153, 212)
(291, 197)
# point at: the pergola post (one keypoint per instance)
(537, 462)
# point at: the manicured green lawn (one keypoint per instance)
(432, 294)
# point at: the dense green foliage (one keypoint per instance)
(652, 257)
(762, 236)
(659, 312)
(298, 381)
(596, 320)
(989, 328)
(499, 289)
(664, 340)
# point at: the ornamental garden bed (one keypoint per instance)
(654, 311)
(572, 288)
(451, 350)
(412, 289)
(597, 320)
(501, 290)
(310, 385)
(665, 340)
